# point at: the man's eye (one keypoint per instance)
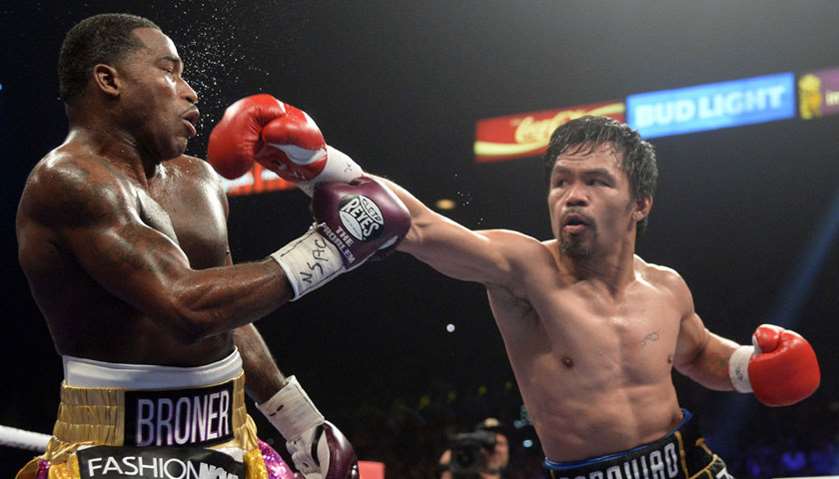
(560, 183)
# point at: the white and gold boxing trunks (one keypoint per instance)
(154, 422)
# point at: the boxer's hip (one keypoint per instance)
(680, 454)
(130, 420)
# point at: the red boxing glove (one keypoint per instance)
(261, 128)
(236, 139)
(281, 138)
(780, 368)
(294, 146)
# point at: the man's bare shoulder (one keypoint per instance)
(550, 244)
(70, 186)
(664, 278)
(194, 167)
(517, 245)
(509, 237)
(198, 172)
(531, 260)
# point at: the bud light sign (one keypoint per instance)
(711, 106)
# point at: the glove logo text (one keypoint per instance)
(361, 217)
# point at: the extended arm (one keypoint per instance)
(490, 257)
(258, 124)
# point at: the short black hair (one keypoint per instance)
(638, 156)
(104, 38)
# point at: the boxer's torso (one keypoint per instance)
(182, 200)
(593, 367)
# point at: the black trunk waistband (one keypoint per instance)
(680, 454)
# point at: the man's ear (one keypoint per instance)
(643, 205)
(106, 78)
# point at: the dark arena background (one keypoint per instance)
(401, 357)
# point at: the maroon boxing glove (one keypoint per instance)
(325, 454)
(352, 222)
(318, 449)
(360, 217)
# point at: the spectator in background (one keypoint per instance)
(493, 453)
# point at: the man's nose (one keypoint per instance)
(189, 93)
(577, 196)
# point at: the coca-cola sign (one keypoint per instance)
(526, 134)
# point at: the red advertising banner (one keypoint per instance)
(526, 134)
(258, 180)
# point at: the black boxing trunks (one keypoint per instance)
(154, 422)
(681, 454)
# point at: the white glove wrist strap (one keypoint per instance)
(309, 262)
(291, 411)
(339, 167)
(738, 368)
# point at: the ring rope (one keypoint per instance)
(22, 439)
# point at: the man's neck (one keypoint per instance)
(614, 269)
(119, 147)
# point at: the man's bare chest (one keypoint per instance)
(633, 338)
(190, 217)
(635, 334)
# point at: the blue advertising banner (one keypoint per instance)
(712, 106)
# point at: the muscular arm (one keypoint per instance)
(264, 378)
(95, 220)
(489, 257)
(700, 354)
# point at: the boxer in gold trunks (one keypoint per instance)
(123, 240)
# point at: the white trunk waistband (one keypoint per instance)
(83, 372)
